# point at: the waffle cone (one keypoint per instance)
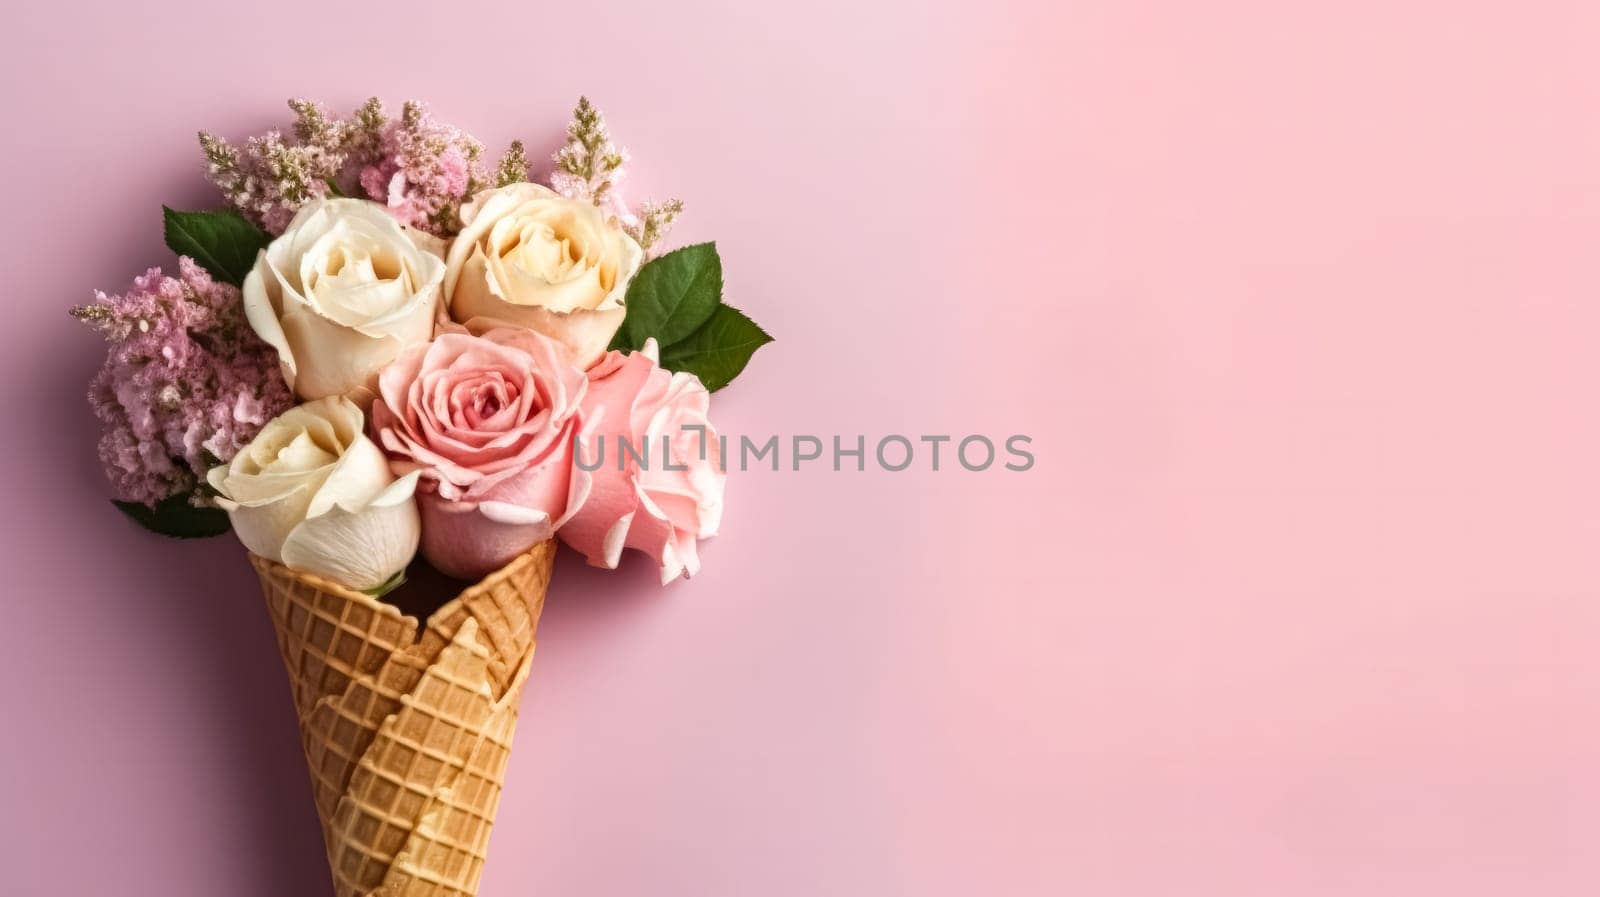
(407, 727)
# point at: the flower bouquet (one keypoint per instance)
(386, 348)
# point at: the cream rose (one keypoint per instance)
(312, 492)
(532, 258)
(340, 293)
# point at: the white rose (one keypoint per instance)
(312, 492)
(340, 293)
(532, 258)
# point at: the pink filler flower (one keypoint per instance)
(421, 170)
(655, 507)
(490, 422)
(186, 384)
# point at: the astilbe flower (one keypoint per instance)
(270, 177)
(513, 167)
(421, 169)
(653, 222)
(591, 167)
(186, 383)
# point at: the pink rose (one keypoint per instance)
(489, 421)
(653, 506)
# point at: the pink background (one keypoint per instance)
(1300, 308)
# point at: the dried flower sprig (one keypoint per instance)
(186, 382)
(513, 168)
(420, 168)
(313, 126)
(269, 178)
(590, 166)
(653, 222)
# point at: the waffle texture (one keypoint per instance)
(407, 728)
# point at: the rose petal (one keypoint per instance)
(360, 548)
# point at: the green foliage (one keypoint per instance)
(677, 301)
(223, 243)
(719, 350)
(671, 296)
(174, 516)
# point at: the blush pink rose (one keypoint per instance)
(651, 506)
(489, 421)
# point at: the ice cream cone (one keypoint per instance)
(407, 727)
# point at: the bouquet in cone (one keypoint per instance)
(388, 358)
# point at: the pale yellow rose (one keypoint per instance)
(529, 257)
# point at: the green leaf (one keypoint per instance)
(671, 297)
(174, 516)
(223, 243)
(719, 350)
